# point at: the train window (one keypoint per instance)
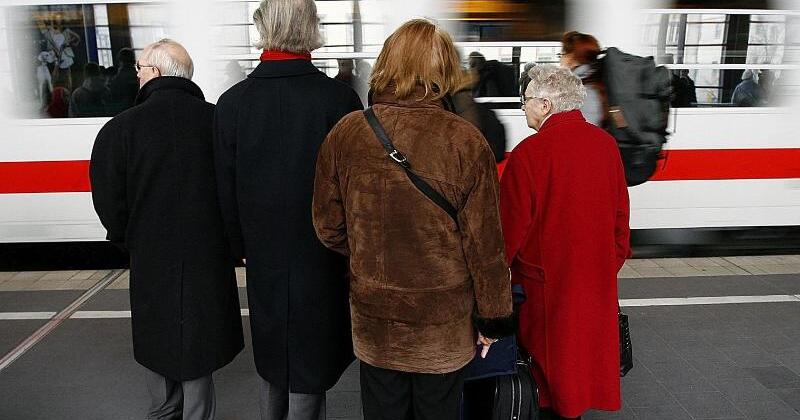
(751, 87)
(712, 51)
(77, 60)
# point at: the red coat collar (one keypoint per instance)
(555, 119)
(276, 55)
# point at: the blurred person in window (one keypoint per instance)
(766, 81)
(564, 208)
(61, 41)
(492, 78)
(420, 282)
(44, 80)
(579, 54)
(153, 187)
(125, 84)
(269, 128)
(747, 92)
(59, 103)
(684, 94)
(91, 99)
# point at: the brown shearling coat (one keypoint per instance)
(419, 284)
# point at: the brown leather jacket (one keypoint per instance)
(419, 284)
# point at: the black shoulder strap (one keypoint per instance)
(401, 160)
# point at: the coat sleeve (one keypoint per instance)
(327, 209)
(622, 230)
(107, 174)
(516, 205)
(482, 241)
(225, 165)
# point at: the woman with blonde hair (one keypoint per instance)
(422, 278)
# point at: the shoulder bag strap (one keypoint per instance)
(401, 160)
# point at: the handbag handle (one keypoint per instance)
(400, 159)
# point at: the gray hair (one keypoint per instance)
(170, 57)
(288, 25)
(557, 84)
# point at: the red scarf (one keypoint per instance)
(276, 55)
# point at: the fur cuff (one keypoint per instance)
(496, 327)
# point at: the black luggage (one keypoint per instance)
(638, 106)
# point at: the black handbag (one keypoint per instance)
(625, 348)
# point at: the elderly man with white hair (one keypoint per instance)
(269, 128)
(153, 186)
(564, 208)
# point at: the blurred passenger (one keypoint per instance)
(91, 99)
(233, 73)
(493, 78)
(579, 54)
(346, 73)
(59, 103)
(684, 94)
(480, 115)
(747, 92)
(125, 84)
(153, 186)
(420, 282)
(564, 207)
(268, 131)
(766, 81)
(525, 78)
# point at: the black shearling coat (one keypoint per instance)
(269, 128)
(153, 186)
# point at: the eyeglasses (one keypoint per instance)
(524, 99)
(139, 67)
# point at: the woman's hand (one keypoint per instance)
(486, 343)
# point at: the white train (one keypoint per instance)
(726, 167)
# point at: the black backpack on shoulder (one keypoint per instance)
(638, 106)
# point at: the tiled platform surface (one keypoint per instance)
(638, 268)
(729, 361)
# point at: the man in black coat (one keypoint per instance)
(269, 128)
(153, 186)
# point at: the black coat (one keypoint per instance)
(153, 186)
(269, 128)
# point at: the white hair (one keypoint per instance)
(288, 25)
(170, 57)
(557, 84)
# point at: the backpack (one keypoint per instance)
(638, 94)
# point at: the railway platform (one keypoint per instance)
(714, 338)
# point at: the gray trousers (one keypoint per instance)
(279, 404)
(189, 400)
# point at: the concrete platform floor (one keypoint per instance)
(696, 358)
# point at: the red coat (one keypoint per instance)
(564, 208)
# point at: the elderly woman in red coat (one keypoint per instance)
(564, 209)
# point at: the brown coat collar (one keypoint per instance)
(417, 100)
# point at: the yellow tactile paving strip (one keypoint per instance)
(640, 268)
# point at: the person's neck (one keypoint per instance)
(544, 120)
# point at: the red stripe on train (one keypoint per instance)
(679, 165)
(728, 164)
(44, 177)
(721, 164)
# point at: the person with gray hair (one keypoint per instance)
(153, 187)
(747, 92)
(564, 208)
(269, 128)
